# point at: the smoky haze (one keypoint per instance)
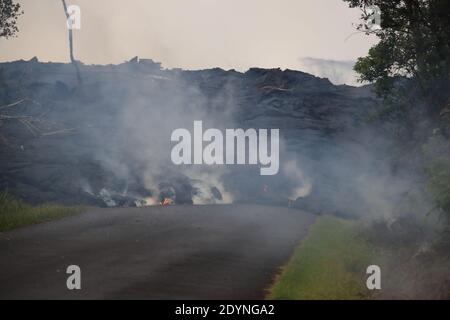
(117, 151)
(130, 111)
(106, 141)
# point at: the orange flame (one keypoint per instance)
(166, 201)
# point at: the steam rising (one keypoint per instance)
(331, 161)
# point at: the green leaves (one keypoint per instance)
(9, 13)
(410, 67)
(413, 42)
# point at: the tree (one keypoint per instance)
(410, 67)
(414, 43)
(9, 13)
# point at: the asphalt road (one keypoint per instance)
(170, 252)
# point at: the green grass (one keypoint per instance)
(15, 213)
(330, 263)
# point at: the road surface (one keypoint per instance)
(163, 252)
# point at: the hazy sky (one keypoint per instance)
(191, 34)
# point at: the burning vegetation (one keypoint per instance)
(166, 201)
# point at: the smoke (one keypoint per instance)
(133, 145)
(359, 174)
(337, 71)
(302, 187)
(330, 160)
(210, 189)
(132, 139)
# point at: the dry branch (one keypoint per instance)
(59, 132)
(12, 104)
